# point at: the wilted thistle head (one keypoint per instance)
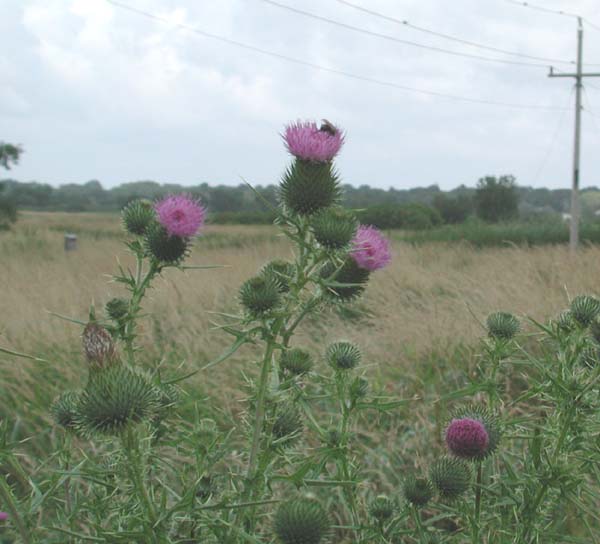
(460, 433)
(64, 410)
(344, 283)
(259, 295)
(281, 271)
(306, 141)
(301, 521)
(115, 398)
(307, 187)
(584, 309)
(288, 425)
(370, 250)
(137, 216)
(117, 308)
(450, 476)
(382, 508)
(417, 491)
(180, 215)
(296, 361)
(359, 388)
(98, 346)
(343, 356)
(163, 247)
(334, 228)
(502, 325)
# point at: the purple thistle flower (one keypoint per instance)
(305, 140)
(370, 250)
(467, 438)
(181, 215)
(3, 516)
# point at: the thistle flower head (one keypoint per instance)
(343, 355)
(370, 250)
(64, 410)
(467, 438)
(502, 325)
(137, 216)
(450, 476)
(382, 508)
(163, 247)
(3, 516)
(98, 346)
(306, 141)
(301, 521)
(334, 228)
(288, 425)
(345, 283)
(417, 490)
(585, 309)
(117, 308)
(296, 361)
(180, 215)
(259, 295)
(281, 271)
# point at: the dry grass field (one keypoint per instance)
(419, 321)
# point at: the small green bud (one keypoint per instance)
(502, 326)
(345, 283)
(166, 249)
(565, 321)
(451, 477)
(117, 308)
(359, 388)
(288, 425)
(417, 491)
(585, 309)
(343, 356)
(296, 361)
(282, 272)
(382, 508)
(301, 521)
(260, 295)
(137, 216)
(64, 410)
(334, 228)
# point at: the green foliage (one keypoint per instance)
(496, 199)
(9, 154)
(8, 210)
(407, 216)
(453, 209)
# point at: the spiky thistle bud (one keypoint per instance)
(301, 521)
(334, 228)
(359, 388)
(288, 425)
(296, 361)
(343, 355)
(260, 295)
(466, 440)
(163, 247)
(502, 325)
(308, 186)
(565, 321)
(417, 490)
(115, 398)
(64, 410)
(382, 508)
(451, 477)
(137, 216)
(98, 346)
(344, 283)
(585, 309)
(281, 271)
(117, 308)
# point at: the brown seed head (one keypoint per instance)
(98, 346)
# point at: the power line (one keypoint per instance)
(406, 23)
(399, 40)
(308, 64)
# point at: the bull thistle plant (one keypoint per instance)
(518, 461)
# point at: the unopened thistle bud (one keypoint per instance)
(64, 410)
(137, 216)
(296, 361)
(343, 356)
(288, 425)
(301, 521)
(359, 388)
(565, 321)
(282, 272)
(344, 283)
(117, 308)
(465, 438)
(451, 477)
(502, 325)
(382, 508)
(334, 228)
(260, 295)
(98, 346)
(417, 491)
(585, 309)
(163, 247)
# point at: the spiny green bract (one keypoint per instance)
(451, 477)
(417, 490)
(137, 216)
(288, 425)
(488, 419)
(301, 521)
(296, 361)
(502, 325)
(117, 308)
(344, 283)
(164, 248)
(382, 508)
(308, 187)
(281, 271)
(565, 322)
(334, 228)
(343, 355)
(114, 398)
(64, 410)
(585, 309)
(260, 295)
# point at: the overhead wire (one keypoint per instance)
(335, 71)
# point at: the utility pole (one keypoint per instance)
(579, 75)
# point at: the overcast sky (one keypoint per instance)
(94, 91)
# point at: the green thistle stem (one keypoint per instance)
(11, 505)
(419, 524)
(478, 494)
